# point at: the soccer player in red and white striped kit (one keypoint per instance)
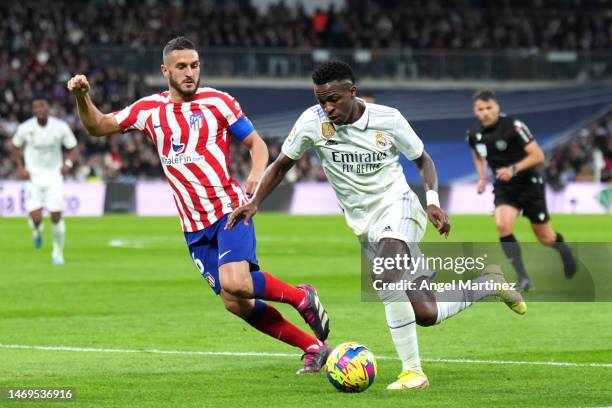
(191, 127)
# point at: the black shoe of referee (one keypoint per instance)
(569, 264)
(525, 284)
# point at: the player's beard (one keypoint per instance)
(177, 87)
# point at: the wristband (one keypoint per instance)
(68, 163)
(432, 198)
(513, 169)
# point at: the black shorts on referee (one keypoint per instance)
(527, 196)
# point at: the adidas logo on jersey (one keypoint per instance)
(387, 229)
(331, 143)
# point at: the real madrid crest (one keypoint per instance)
(381, 141)
(327, 129)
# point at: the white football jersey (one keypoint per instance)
(361, 159)
(42, 147)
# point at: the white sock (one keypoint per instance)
(448, 309)
(59, 232)
(402, 324)
(466, 299)
(37, 229)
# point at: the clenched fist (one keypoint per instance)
(78, 85)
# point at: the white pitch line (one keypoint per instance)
(267, 354)
(155, 351)
(545, 363)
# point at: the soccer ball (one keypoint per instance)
(351, 367)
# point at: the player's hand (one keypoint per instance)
(439, 219)
(246, 212)
(25, 174)
(78, 85)
(482, 185)
(252, 183)
(65, 170)
(504, 173)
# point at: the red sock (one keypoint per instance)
(268, 320)
(268, 287)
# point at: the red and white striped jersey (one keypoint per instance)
(192, 141)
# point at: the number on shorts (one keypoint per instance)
(198, 263)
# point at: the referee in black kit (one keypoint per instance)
(513, 154)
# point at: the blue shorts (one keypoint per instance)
(214, 246)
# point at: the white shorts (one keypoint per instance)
(49, 197)
(404, 220)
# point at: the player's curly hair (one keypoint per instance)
(332, 71)
(178, 43)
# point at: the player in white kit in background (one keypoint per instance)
(39, 155)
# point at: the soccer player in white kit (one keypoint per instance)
(359, 145)
(39, 142)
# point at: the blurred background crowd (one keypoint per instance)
(42, 43)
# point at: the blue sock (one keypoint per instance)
(256, 313)
(259, 284)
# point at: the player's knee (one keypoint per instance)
(389, 249)
(56, 217)
(425, 313)
(235, 281)
(504, 228)
(389, 276)
(236, 287)
(36, 218)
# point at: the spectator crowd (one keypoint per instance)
(587, 156)
(42, 43)
(416, 24)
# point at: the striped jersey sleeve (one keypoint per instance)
(227, 105)
(523, 133)
(134, 117)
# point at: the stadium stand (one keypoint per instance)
(42, 43)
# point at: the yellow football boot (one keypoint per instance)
(512, 298)
(409, 380)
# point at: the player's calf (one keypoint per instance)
(240, 307)
(36, 228)
(569, 262)
(546, 237)
(424, 305)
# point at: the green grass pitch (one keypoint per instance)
(129, 285)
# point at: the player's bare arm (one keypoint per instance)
(535, 157)
(429, 177)
(73, 155)
(96, 123)
(481, 167)
(272, 177)
(18, 159)
(259, 156)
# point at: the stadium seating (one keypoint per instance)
(39, 51)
